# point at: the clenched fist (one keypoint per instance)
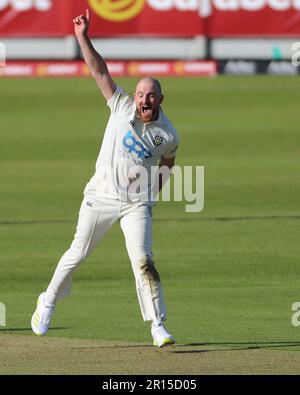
(81, 23)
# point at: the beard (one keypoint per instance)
(147, 114)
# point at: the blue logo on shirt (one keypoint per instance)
(132, 145)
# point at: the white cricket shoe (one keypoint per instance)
(161, 337)
(41, 318)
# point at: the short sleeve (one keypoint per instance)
(171, 148)
(120, 102)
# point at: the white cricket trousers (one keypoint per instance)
(96, 216)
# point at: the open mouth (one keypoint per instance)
(146, 110)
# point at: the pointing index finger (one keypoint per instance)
(87, 13)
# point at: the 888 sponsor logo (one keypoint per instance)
(132, 145)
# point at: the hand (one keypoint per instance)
(81, 23)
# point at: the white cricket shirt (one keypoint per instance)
(129, 150)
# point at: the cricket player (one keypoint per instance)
(138, 136)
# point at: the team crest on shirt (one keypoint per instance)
(157, 141)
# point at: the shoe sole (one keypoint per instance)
(35, 318)
(167, 342)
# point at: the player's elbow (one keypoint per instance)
(169, 162)
(97, 74)
(106, 85)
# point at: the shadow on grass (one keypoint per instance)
(113, 346)
(235, 346)
(228, 346)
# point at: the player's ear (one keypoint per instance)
(161, 99)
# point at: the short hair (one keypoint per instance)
(155, 82)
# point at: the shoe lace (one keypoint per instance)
(46, 316)
(160, 331)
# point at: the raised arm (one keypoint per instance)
(94, 61)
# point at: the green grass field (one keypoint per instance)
(230, 273)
